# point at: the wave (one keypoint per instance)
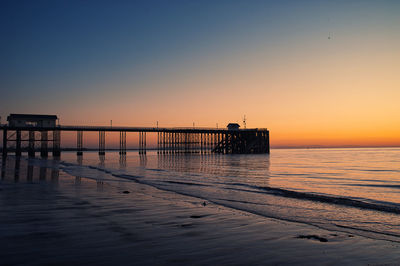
(373, 170)
(374, 185)
(186, 183)
(349, 202)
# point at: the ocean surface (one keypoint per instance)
(356, 191)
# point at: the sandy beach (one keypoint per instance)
(51, 218)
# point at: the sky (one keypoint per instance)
(315, 73)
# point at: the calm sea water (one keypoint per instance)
(350, 190)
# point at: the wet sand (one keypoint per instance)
(49, 217)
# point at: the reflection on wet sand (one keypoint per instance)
(55, 173)
(16, 169)
(22, 170)
(100, 185)
(42, 173)
(78, 179)
(102, 159)
(3, 168)
(122, 161)
(143, 159)
(102, 164)
(29, 177)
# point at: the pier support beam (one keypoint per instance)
(102, 143)
(142, 142)
(159, 142)
(169, 142)
(201, 143)
(31, 145)
(145, 142)
(173, 142)
(226, 140)
(44, 152)
(163, 142)
(56, 143)
(79, 142)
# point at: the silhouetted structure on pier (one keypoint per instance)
(32, 129)
(169, 140)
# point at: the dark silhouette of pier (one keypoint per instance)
(169, 140)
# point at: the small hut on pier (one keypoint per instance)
(233, 126)
(30, 120)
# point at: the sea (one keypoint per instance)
(351, 190)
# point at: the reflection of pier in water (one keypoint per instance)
(215, 164)
(169, 140)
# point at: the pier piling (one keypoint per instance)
(56, 143)
(142, 142)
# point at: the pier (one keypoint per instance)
(47, 137)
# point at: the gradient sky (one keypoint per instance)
(313, 72)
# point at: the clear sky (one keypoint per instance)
(313, 72)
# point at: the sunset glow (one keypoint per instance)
(328, 76)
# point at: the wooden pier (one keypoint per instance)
(169, 140)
